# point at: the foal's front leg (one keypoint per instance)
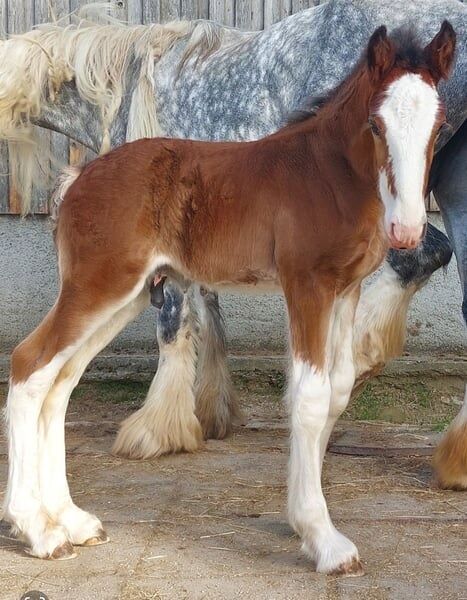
(342, 364)
(311, 305)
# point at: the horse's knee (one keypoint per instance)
(310, 396)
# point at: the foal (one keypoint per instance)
(309, 209)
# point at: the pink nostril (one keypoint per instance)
(396, 232)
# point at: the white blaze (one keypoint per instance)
(409, 113)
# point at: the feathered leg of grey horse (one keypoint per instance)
(216, 402)
(191, 396)
(166, 422)
(450, 188)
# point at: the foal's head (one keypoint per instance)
(405, 118)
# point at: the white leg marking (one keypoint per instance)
(81, 526)
(310, 396)
(166, 422)
(342, 372)
(23, 502)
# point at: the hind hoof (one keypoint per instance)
(97, 540)
(63, 552)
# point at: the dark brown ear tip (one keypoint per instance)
(380, 32)
(446, 27)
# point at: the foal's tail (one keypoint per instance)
(64, 181)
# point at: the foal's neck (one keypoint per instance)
(342, 123)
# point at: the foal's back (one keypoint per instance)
(218, 211)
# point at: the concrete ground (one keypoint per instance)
(212, 525)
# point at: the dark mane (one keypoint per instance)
(409, 55)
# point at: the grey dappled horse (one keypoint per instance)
(217, 83)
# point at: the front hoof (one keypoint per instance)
(97, 540)
(334, 554)
(352, 568)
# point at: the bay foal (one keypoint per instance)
(309, 209)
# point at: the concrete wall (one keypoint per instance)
(255, 325)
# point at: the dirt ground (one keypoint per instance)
(212, 525)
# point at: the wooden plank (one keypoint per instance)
(170, 11)
(135, 11)
(298, 5)
(40, 192)
(20, 19)
(249, 14)
(194, 9)
(276, 10)
(3, 18)
(4, 179)
(222, 11)
(151, 11)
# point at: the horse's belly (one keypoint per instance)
(259, 287)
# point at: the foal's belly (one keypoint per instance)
(259, 287)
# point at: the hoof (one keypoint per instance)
(352, 568)
(97, 540)
(63, 552)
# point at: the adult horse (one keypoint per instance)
(102, 85)
(309, 210)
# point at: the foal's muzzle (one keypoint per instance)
(404, 237)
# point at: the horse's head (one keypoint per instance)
(406, 116)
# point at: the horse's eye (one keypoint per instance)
(374, 127)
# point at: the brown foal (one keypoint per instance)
(310, 209)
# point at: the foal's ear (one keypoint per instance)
(439, 54)
(380, 55)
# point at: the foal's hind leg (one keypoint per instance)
(82, 527)
(216, 402)
(34, 367)
(167, 422)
